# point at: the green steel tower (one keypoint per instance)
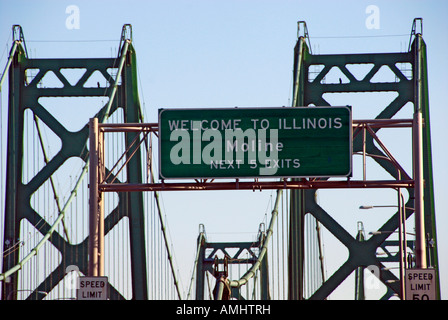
(308, 91)
(24, 95)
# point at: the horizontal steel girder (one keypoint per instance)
(255, 185)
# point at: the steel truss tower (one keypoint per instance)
(121, 89)
(246, 253)
(308, 91)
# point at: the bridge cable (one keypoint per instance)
(255, 267)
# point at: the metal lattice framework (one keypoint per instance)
(414, 89)
(24, 95)
(217, 257)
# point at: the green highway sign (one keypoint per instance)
(255, 142)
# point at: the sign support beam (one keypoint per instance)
(420, 246)
(252, 184)
(96, 227)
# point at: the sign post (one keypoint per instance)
(92, 288)
(255, 142)
(420, 284)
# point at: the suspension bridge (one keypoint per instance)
(86, 201)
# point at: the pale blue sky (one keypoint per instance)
(237, 53)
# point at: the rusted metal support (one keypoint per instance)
(420, 246)
(222, 288)
(255, 185)
(417, 137)
(96, 220)
(128, 127)
(383, 123)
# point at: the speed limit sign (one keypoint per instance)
(420, 284)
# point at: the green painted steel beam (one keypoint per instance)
(419, 47)
(13, 172)
(135, 210)
(297, 202)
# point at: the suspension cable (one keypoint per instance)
(255, 267)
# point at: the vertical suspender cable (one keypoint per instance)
(162, 226)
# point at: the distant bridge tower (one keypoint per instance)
(216, 258)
